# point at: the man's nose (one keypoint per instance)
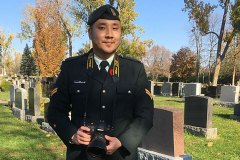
(109, 33)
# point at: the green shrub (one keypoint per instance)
(5, 85)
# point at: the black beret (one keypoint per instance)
(104, 12)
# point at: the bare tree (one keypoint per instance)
(199, 12)
(157, 62)
(197, 40)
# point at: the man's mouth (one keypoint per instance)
(108, 42)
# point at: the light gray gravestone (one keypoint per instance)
(20, 103)
(191, 89)
(229, 94)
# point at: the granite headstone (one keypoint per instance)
(167, 89)
(229, 94)
(167, 135)
(198, 111)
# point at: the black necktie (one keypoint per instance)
(103, 71)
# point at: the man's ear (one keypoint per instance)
(90, 33)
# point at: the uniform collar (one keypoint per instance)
(98, 60)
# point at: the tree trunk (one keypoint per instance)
(220, 56)
(233, 76)
(70, 44)
(217, 71)
(197, 68)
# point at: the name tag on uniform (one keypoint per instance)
(79, 82)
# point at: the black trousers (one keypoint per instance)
(78, 152)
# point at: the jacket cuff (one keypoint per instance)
(123, 151)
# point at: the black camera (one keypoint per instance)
(96, 149)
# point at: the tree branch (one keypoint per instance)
(211, 32)
(227, 45)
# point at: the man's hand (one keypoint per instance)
(113, 145)
(82, 136)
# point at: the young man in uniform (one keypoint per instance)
(102, 87)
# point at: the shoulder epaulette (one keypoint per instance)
(130, 58)
(71, 58)
(74, 58)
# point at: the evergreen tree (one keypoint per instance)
(28, 66)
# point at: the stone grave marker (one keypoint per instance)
(166, 138)
(236, 114)
(237, 109)
(34, 101)
(198, 116)
(177, 89)
(12, 95)
(34, 104)
(46, 111)
(212, 91)
(167, 89)
(20, 103)
(151, 84)
(32, 82)
(229, 94)
(191, 89)
(157, 90)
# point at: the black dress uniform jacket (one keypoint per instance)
(121, 100)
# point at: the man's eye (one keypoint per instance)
(101, 28)
(115, 28)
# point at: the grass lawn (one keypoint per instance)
(21, 140)
(5, 95)
(26, 141)
(225, 147)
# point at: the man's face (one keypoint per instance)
(105, 35)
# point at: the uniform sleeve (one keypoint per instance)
(59, 107)
(143, 117)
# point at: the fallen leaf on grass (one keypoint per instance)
(210, 144)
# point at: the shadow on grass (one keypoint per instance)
(225, 116)
(177, 101)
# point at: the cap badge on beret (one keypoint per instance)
(113, 12)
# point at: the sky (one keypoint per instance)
(162, 21)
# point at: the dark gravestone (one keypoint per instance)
(34, 101)
(46, 111)
(157, 90)
(167, 135)
(212, 91)
(177, 89)
(237, 109)
(204, 90)
(166, 89)
(236, 115)
(218, 91)
(198, 111)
